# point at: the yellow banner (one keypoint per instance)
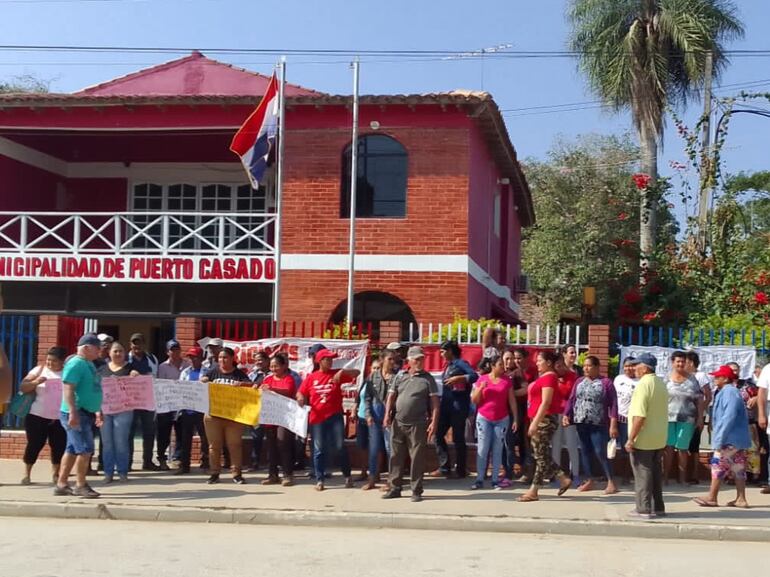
(239, 404)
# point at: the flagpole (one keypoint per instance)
(279, 193)
(353, 186)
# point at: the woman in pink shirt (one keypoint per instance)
(494, 398)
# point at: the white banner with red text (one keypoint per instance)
(711, 358)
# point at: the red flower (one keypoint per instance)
(632, 296)
(641, 180)
(650, 317)
(761, 298)
(623, 216)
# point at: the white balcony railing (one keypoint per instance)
(137, 233)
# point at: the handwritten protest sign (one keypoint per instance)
(52, 399)
(239, 404)
(127, 393)
(284, 412)
(711, 358)
(172, 396)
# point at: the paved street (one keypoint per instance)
(128, 549)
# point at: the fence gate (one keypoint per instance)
(18, 334)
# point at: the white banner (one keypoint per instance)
(284, 412)
(711, 358)
(350, 354)
(172, 396)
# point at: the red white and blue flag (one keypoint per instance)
(255, 139)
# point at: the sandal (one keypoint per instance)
(735, 504)
(527, 498)
(563, 487)
(703, 503)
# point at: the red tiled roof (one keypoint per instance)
(193, 75)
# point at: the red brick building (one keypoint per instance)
(122, 204)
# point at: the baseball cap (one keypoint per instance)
(136, 337)
(172, 344)
(647, 359)
(448, 345)
(313, 350)
(325, 354)
(215, 343)
(194, 352)
(630, 361)
(394, 346)
(725, 371)
(415, 353)
(105, 339)
(89, 339)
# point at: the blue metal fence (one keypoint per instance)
(18, 334)
(674, 337)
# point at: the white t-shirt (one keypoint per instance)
(764, 383)
(704, 380)
(624, 389)
(37, 406)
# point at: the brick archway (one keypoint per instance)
(377, 307)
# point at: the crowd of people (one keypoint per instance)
(520, 411)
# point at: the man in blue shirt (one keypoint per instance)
(190, 421)
(729, 439)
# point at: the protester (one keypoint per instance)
(570, 354)
(375, 397)
(322, 390)
(565, 435)
(756, 467)
(116, 429)
(144, 420)
(412, 397)
(170, 369)
(104, 354)
(763, 406)
(211, 362)
(362, 428)
(624, 384)
(38, 428)
(495, 403)
(543, 409)
(647, 431)
(220, 431)
(192, 421)
(259, 371)
(398, 354)
(692, 364)
(279, 439)
(458, 378)
(591, 407)
(685, 415)
(729, 439)
(80, 410)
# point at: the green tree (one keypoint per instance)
(25, 83)
(647, 55)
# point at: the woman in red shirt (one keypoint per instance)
(543, 406)
(280, 441)
(322, 390)
(566, 436)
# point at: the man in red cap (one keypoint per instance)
(729, 439)
(191, 421)
(322, 390)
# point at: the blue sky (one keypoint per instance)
(395, 24)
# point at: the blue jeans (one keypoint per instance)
(379, 439)
(329, 437)
(116, 435)
(80, 441)
(490, 437)
(593, 439)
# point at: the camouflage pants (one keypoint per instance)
(545, 467)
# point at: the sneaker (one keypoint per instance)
(524, 479)
(150, 467)
(271, 481)
(503, 484)
(416, 497)
(26, 481)
(496, 486)
(392, 494)
(477, 485)
(637, 515)
(319, 486)
(239, 480)
(213, 479)
(164, 466)
(123, 478)
(86, 492)
(108, 479)
(287, 482)
(65, 491)
(349, 483)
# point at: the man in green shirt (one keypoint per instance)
(80, 408)
(647, 431)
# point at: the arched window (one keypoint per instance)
(382, 174)
(375, 307)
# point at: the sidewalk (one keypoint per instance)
(447, 505)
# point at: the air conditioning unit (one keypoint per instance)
(522, 285)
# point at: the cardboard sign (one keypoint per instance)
(172, 396)
(283, 412)
(239, 404)
(127, 393)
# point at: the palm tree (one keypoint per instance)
(647, 55)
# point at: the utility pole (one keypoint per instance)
(707, 157)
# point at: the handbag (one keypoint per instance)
(612, 448)
(21, 404)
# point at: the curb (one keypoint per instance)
(498, 524)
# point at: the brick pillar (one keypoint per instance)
(599, 344)
(48, 335)
(188, 331)
(390, 331)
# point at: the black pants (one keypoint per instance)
(280, 450)
(454, 412)
(764, 443)
(648, 480)
(257, 436)
(187, 425)
(145, 422)
(164, 423)
(39, 431)
(512, 442)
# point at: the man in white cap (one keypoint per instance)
(398, 350)
(412, 397)
(210, 363)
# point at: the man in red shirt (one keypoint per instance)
(322, 391)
